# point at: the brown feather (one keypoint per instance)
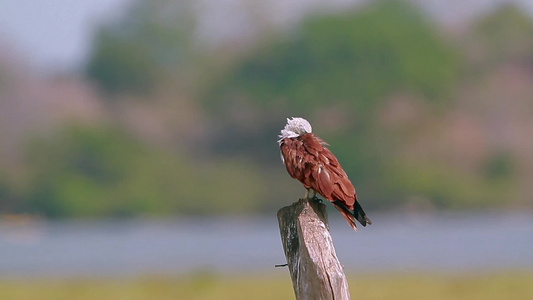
(309, 161)
(346, 213)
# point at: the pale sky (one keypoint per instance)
(53, 33)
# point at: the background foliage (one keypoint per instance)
(420, 117)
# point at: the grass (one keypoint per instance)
(508, 285)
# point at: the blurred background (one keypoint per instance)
(138, 153)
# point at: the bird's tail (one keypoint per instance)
(360, 215)
(357, 214)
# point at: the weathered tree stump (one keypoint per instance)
(315, 271)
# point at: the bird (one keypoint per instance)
(308, 160)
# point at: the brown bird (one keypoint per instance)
(307, 159)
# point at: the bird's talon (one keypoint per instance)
(316, 199)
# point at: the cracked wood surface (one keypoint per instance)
(315, 270)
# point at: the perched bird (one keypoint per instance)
(307, 159)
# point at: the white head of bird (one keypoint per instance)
(295, 127)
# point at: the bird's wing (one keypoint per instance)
(308, 160)
(326, 175)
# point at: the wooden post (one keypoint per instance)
(315, 270)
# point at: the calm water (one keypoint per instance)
(444, 243)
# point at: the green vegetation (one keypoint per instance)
(89, 172)
(506, 35)
(404, 105)
(151, 42)
(355, 58)
(352, 61)
(450, 189)
(374, 286)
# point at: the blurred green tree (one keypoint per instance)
(357, 58)
(102, 172)
(152, 40)
(505, 34)
(7, 202)
(499, 166)
(350, 61)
